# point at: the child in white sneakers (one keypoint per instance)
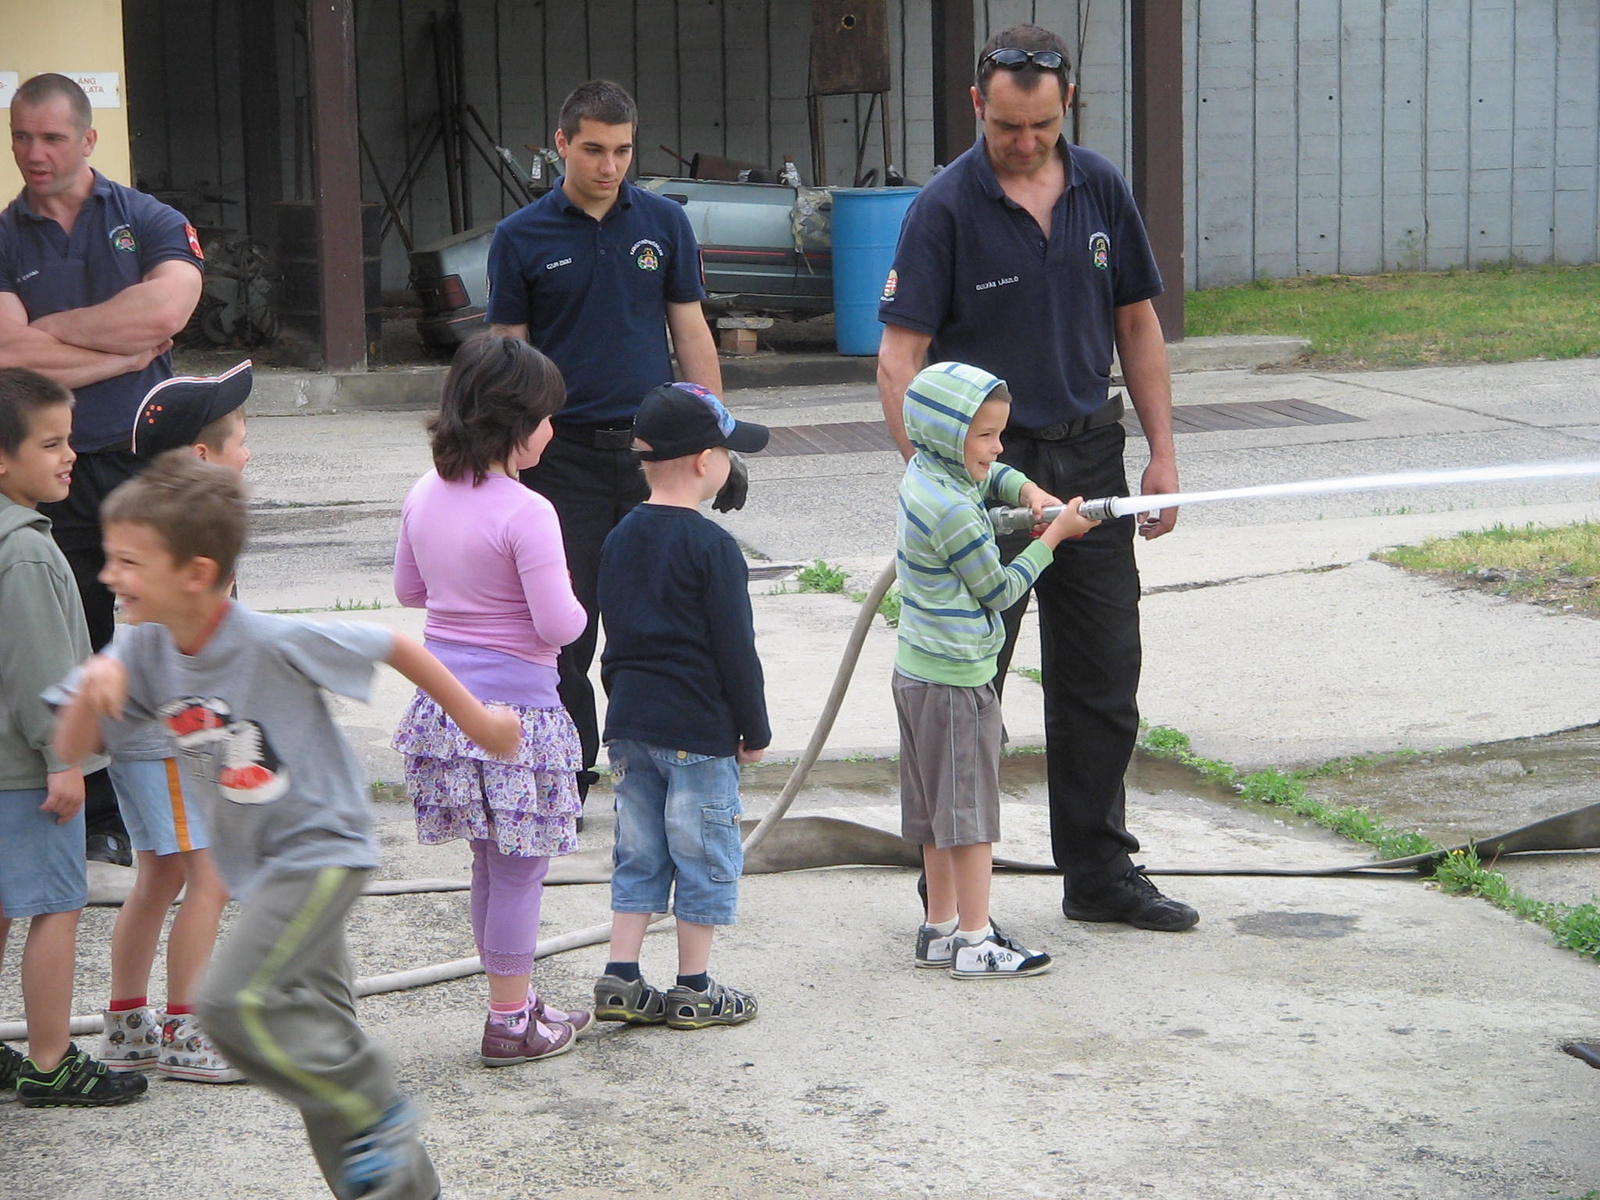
(953, 590)
(166, 826)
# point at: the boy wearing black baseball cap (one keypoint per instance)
(202, 412)
(685, 709)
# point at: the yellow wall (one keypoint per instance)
(68, 36)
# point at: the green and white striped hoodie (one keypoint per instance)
(953, 586)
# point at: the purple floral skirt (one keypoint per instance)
(528, 806)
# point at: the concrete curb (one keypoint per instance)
(294, 392)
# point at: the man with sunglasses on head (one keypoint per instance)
(1027, 257)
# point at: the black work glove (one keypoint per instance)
(732, 494)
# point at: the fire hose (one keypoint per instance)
(811, 842)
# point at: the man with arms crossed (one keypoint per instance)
(1027, 258)
(95, 279)
(595, 273)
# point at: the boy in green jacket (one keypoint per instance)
(953, 590)
(42, 637)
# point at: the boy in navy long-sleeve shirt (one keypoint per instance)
(685, 709)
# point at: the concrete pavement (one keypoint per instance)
(1345, 1038)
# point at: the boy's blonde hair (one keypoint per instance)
(215, 435)
(196, 508)
(667, 468)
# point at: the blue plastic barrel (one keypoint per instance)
(866, 227)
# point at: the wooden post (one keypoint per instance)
(1157, 60)
(258, 100)
(954, 56)
(336, 172)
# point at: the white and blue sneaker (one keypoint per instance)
(994, 957)
(376, 1157)
(933, 948)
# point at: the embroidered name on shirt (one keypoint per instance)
(28, 276)
(994, 283)
(560, 262)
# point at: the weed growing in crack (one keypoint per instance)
(1577, 927)
(820, 577)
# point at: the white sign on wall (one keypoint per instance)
(100, 86)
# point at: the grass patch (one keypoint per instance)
(338, 605)
(1500, 313)
(820, 577)
(1556, 567)
(888, 607)
(1577, 927)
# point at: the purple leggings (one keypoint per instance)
(506, 891)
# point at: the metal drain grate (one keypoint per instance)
(861, 437)
(1257, 414)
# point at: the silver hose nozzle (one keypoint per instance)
(1015, 520)
(1099, 510)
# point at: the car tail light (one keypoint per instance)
(452, 293)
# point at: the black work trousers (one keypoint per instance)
(75, 525)
(592, 490)
(1088, 601)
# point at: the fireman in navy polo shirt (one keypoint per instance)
(595, 273)
(95, 279)
(1026, 257)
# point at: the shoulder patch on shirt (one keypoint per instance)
(194, 241)
(646, 254)
(891, 285)
(1100, 249)
(122, 238)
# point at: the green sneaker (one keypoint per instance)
(717, 1005)
(78, 1081)
(10, 1068)
(632, 1001)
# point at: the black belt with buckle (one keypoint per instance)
(1108, 413)
(597, 437)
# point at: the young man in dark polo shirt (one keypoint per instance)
(595, 273)
(95, 278)
(1026, 257)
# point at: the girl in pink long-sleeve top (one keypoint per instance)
(483, 554)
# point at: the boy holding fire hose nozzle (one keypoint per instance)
(953, 590)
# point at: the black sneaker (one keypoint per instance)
(1134, 900)
(110, 848)
(78, 1082)
(10, 1068)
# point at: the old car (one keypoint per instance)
(764, 247)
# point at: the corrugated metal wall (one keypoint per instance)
(1323, 135)
(1367, 135)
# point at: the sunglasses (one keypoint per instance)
(1012, 59)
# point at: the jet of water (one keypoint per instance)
(1009, 520)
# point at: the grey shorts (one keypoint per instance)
(949, 762)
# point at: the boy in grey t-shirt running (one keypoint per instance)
(242, 694)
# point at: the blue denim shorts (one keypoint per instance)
(677, 820)
(158, 807)
(41, 863)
